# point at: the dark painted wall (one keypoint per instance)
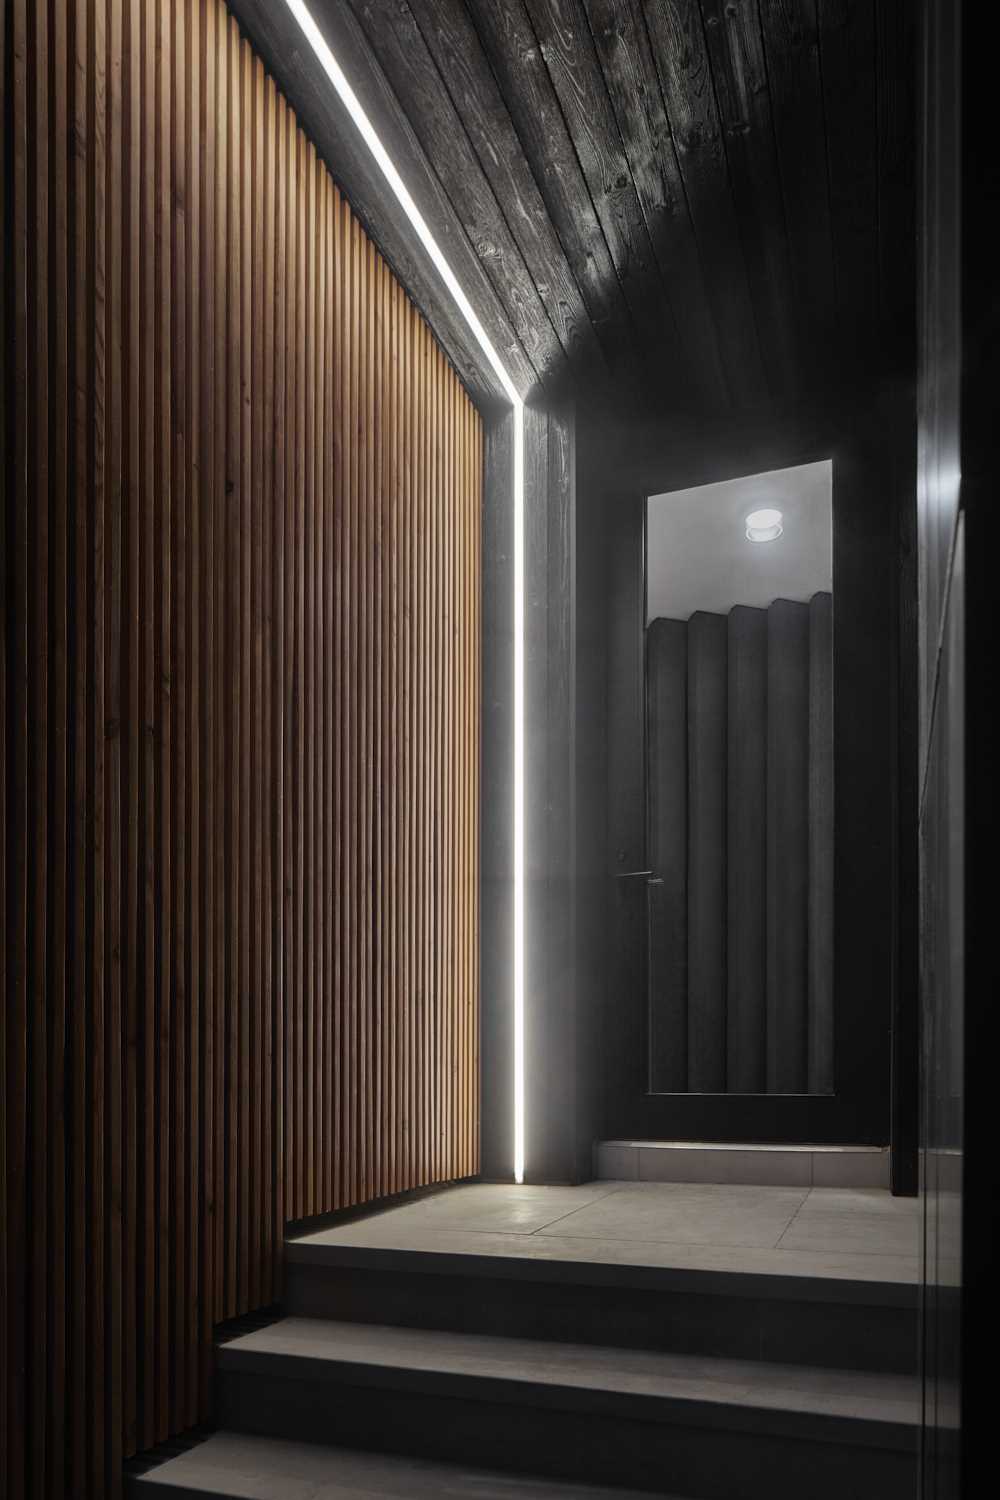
(959, 313)
(980, 469)
(564, 781)
(942, 751)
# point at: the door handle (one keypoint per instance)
(632, 874)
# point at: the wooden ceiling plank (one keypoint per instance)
(454, 44)
(510, 44)
(399, 46)
(847, 66)
(736, 50)
(791, 50)
(678, 49)
(630, 76)
(567, 48)
(275, 35)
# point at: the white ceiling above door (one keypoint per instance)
(699, 556)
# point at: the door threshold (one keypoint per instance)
(740, 1162)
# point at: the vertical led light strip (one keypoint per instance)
(352, 104)
(518, 893)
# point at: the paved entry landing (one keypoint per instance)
(725, 1342)
(827, 1233)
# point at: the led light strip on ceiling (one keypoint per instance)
(352, 104)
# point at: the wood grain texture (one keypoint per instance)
(507, 37)
(626, 58)
(677, 39)
(739, 70)
(240, 715)
(716, 197)
(394, 33)
(465, 73)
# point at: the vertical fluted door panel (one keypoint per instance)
(787, 845)
(820, 884)
(746, 884)
(706, 844)
(240, 723)
(666, 666)
(740, 809)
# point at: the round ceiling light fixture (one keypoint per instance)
(764, 525)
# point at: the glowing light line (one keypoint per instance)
(369, 135)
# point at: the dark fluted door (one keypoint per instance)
(740, 903)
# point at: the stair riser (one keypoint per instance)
(720, 1461)
(836, 1335)
(140, 1488)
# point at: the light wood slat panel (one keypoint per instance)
(240, 701)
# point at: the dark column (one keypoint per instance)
(787, 844)
(746, 803)
(707, 691)
(820, 945)
(666, 709)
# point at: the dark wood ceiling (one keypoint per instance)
(710, 197)
(689, 204)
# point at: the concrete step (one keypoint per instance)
(238, 1466)
(833, 1321)
(732, 1162)
(719, 1429)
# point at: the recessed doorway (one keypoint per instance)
(735, 1014)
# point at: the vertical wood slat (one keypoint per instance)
(240, 705)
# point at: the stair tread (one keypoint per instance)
(789, 1275)
(827, 1244)
(235, 1466)
(752, 1385)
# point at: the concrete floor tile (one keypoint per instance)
(871, 1233)
(688, 1214)
(499, 1208)
(862, 1235)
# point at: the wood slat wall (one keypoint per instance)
(240, 691)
